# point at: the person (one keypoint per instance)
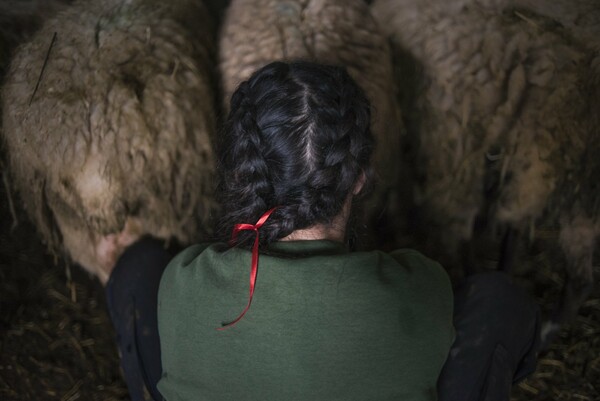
(281, 309)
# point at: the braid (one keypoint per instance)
(245, 179)
(297, 137)
(344, 154)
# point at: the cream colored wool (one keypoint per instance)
(339, 32)
(508, 94)
(120, 128)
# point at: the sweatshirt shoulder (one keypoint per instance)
(424, 269)
(181, 266)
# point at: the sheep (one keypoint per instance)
(108, 123)
(341, 32)
(502, 107)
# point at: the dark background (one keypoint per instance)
(56, 342)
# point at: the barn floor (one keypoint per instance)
(56, 342)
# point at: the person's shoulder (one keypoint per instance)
(182, 265)
(411, 255)
(431, 288)
(423, 268)
(189, 254)
(414, 259)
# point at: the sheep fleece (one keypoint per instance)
(120, 126)
(502, 93)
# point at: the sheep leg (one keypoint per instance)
(577, 240)
(508, 250)
(468, 246)
(577, 288)
(468, 258)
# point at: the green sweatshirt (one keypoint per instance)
(325, 324)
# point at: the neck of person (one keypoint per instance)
(334, 231)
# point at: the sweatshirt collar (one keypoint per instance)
(307, 247)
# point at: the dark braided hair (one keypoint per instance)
(297, 137)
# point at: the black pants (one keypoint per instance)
(497, 330)
(132, 299)
(497, 339)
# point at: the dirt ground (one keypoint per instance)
(56, 341)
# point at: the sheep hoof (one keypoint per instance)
(548, 332)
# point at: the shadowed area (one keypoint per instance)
(57, 343)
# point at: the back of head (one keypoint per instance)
(297, 138)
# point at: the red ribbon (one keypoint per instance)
(254, 268)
